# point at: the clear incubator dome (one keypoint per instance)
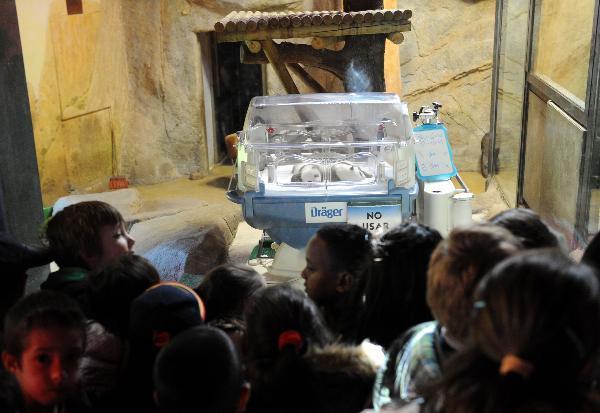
(328, 143)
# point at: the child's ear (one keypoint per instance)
(244, 397)
(10, 361)
(345, 280)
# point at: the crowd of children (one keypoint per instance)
(494, 318)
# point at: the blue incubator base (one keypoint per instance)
(285, 218)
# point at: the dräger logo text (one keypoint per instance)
(326, 212)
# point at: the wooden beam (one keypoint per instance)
(289, 32)
(332, 62)
(396, 37)
(307, 78)
(331, 43)
(280, 68)
(253, 46)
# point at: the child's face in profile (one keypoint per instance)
(47, 370)
(319, 281)
(115, 241)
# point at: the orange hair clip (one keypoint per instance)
(514, 364)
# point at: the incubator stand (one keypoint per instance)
(307, 160)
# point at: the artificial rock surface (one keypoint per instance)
(118, 89)
(447, 57)
(190, 224)
(183, 227)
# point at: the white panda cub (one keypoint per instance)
(307, 172)
(345, 171)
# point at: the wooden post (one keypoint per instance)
(306, 77)
(273, 55)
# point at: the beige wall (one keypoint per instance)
(447, 57)
(118, 89)
(74, 66)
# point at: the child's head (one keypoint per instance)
(283, 324)
(457, 264)
(273, 311)
(591, 255)
(226, 288)
(343, 379)
(337, 261)
(527, 226)
(534, 336)
(87, 234)
(156, 317)
(199, 370)
(161, 312)
(111, 290)
(44, 339)
(396, 288)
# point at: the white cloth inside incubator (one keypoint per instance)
(310, 178)
(341, 171)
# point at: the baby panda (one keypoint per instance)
(342, 171)
(307, 172)
(345, 171)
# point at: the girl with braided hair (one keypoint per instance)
(534, 340)
(292, 363)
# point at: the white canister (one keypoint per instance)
(462, 211)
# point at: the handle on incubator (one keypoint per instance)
(232, 193)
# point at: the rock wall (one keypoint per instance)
(76, 76)
(117, 90)
(447, 57)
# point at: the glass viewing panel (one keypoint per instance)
(561, 45)
(552, 166)
(511, 86)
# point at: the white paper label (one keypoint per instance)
(375, 218)
(431, 150)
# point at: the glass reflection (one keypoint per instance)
(511, 81)
(561, 48)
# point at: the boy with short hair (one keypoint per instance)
(84, 237)
(338, 259)
(44, 337)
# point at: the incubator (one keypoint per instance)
(306, 160)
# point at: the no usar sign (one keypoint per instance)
(375, 217)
